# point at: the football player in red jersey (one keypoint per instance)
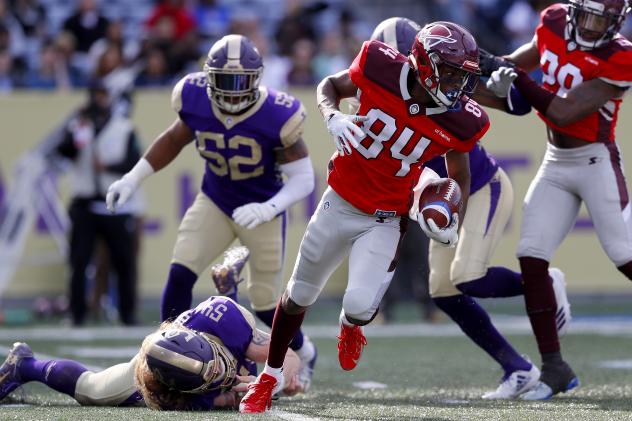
(587, 67)
(411, 109)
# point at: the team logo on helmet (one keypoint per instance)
(435, 35)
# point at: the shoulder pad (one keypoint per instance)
(380, 64)
(196, 80)
(554, 18)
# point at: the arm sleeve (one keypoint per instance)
(300, 183)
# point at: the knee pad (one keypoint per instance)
(358, 307)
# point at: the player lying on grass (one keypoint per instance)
(202, 360)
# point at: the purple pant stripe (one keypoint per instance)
(494, 187)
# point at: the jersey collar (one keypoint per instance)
(230, 120)
(413, 108)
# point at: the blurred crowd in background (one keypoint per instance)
(64, 44)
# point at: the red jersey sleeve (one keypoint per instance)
(617, 68)
(378, 64)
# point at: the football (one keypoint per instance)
(439, 200)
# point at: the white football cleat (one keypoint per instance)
(563, 311)
(517, 383)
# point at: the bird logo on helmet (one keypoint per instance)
(398, 33)
(233, 69)
(189, 361)
(594, 23)
(444, 57)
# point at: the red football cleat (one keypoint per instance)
(350, 344)
(259, 396)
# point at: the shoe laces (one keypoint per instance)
(352, 336)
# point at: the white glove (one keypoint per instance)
(252, 214)
(345, 132)
(120, 191)
(448, 236)
(500, 81)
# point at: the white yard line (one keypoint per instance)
(291, 416)
(513, 325)
(369, 385)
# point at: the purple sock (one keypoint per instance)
(497, 282)
(475, 323)
(177, 295)
(268, 315)
(61, 375)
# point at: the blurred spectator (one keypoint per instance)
(156, 71)
(350, 41)
(32, 18)
(130, 48)
(276, 67)
(6, 72)
(87, 25)
(51, 70)
(301, 72)
(170, 21)
(296, 24)
(110, 59)
(102, 147)
(212, 20)
(521, 20)
(244, 22)
(331, 57)
(12, 36)
(172, 29)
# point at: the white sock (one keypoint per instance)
(343, 319)
(307, 351)
(277, 373)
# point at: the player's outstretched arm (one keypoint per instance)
(584, 99)
(527, 56)
(160, 153)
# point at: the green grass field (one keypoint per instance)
(412, 372)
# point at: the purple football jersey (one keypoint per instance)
(222, 318)
(239, 149)
(483, 166)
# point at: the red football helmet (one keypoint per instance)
(594, 23)
(445, 59)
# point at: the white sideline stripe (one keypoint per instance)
(512, 325)
(4, 350)
(291, 416)
(618, 364)
(99, 351)
(369, 385)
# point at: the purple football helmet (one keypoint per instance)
(594, 23)
(233, 68)
(398, 33)
(445, 59)
(189, 361)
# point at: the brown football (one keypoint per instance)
(439, 200)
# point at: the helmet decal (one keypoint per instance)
(431, 37)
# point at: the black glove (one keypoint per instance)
(488, 62)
